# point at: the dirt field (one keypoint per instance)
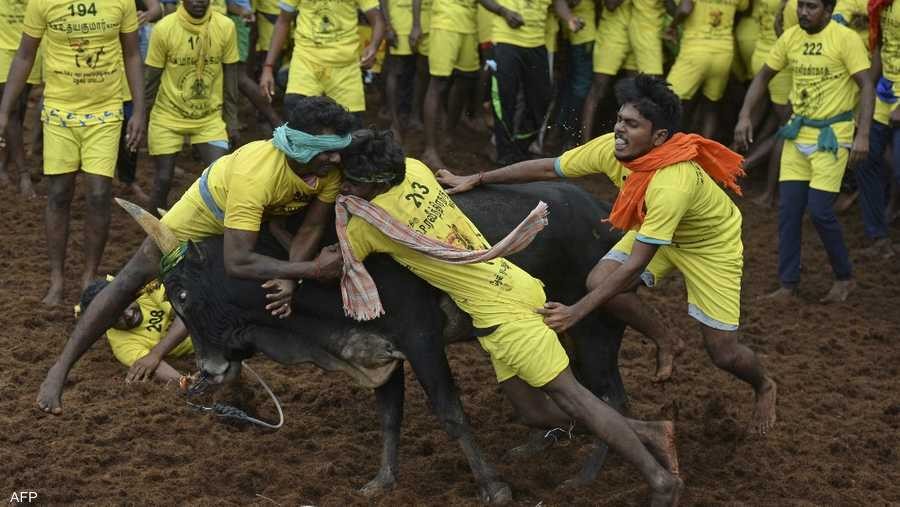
(836, 442)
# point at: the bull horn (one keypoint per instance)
(163, 236)
(161, 211)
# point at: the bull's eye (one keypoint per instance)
(182, 296)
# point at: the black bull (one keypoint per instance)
(228, 323)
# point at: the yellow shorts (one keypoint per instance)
(610, 53)
(883, 111)
(93, 149)
(526, 348)
(713, 281)
(780, 85)
(190, 219)
(164, 140)
(824, 171)
(34, 77)
(696, 66)
(344, 83)
(452, 50)
(129, 347)
(647, 47)
(630, 63)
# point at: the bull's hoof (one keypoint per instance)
(496, 493)
(378, 486)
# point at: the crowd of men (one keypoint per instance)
(820, 100)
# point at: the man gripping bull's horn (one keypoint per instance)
(296, 170)
(394, 205)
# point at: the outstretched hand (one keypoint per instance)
(456, 184)
(281, 292)
(143, 369)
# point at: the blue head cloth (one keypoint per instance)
(303, 147)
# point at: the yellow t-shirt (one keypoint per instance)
(267, 7)
(185, 99)
(856, 15)
(684, 206)
(83, 68)
(454, 15)
(890, 43)
(614, 23)
(711, 24)
(647, 15)
(327, 32)
(822, 66)
(586, 11)
(491, 292)
(157, 316)
(765, 12)
(485, 20)
(425, 15)
(12, 14)
(529, 35)
(401, 16)
(219, 6)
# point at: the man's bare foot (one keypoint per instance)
(433, 160)
(666, 353)
(668, 494)
(764, 416)
(782, 294)
(765, 200)
(54, 294)
(49, 397)
(845, 201)
(881, 248)
(26, 189)
(839, 292)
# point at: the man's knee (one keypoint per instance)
(821, 207)
(60, 192)
(98, 198)
(722, 350)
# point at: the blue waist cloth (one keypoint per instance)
(884, 90)
(827, 140)
(207, 196)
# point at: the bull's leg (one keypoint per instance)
(429, 361)
(389, 400)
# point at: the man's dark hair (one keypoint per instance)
(374, 157)
(653, 98)
(90, 292)
(314, 114)
(829, 5)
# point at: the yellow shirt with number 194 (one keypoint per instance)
(327, 32)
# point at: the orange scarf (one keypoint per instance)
(874, 9)
(722, 164)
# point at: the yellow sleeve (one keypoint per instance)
(359, 235)
(367, 5)
(854, 55)
(129, 17)
(246, 203)
(666, 205)
(231, 46)
(597, 156)
(289, 5)
(778, 55)
(331, 187)
(35, 19)
(156, 53)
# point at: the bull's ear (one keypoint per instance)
(195, 253)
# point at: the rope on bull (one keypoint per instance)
(222, 410)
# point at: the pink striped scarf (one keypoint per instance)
(358, 290)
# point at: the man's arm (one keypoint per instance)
(376, 21)
(306, 241)
(15, 81)
(389, 32)
(513, 18)
(860, 149)
(565, 13)
(522, 172)
(153, 13)
(612, 5)
(561, 317)
(279, 37)
(230, 75)
(242, 262)
(134, 132)
(416, 33)
(152, 79)
(679, 12)
(743, 131)
(143, 368)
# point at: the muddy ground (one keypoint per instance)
(836, 442)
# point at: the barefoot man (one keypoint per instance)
(295, 170)
(678, 219)
(531, 366)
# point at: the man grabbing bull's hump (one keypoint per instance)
(296, 170)
(398, 208)
(677, 218)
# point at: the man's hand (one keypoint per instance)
(280, 293)
(743, 134)
(234, 137)
(860, 150)
(414, 35)
(134, 132)
(559, 317)
(390, 35)
(142, 17)
(267, 83)
(248, 16)
(142, 370)
(513, 18)
(895, 119)
(575, 24)
(456, 184)
(329, 263)
(367, 59)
